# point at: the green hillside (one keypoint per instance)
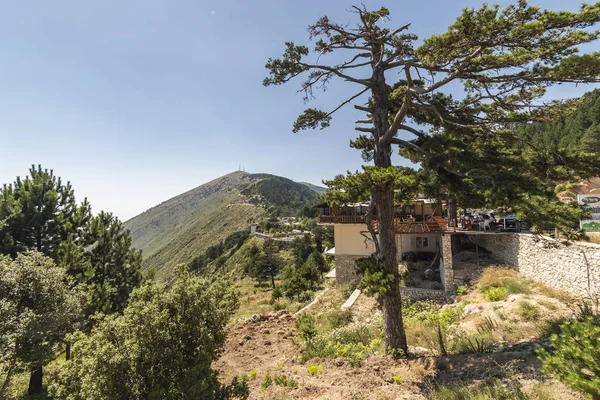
(180, 229)
(578, 131)
(281, 196)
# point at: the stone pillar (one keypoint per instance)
(446, 270)
(399, 247)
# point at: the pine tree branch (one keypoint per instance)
(347, 101)
(362, 129)
(332, 70)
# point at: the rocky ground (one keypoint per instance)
(266, 348)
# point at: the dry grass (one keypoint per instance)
(594, 237)
(548, 390)
(528, 311)
(560, 295)
(495, 277)
(491, 277)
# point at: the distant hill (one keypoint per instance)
(181, 228)
(318, 189)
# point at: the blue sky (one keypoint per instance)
(137, 101)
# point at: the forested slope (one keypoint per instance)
(579, 131)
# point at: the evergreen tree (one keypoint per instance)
(316, 265)
(294, 280)
(41, 213)
(302, 248)
(271, 261)
(575, 357)
(252, 259)
(116, 264)
(503, 60)
(323, 237)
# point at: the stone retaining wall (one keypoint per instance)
(574, 267)
(414, 294)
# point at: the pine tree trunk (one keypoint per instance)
(395, 336)
(35, 381)
(8, 375)
(68, 351)
(452, 211)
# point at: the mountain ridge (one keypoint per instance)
(182, 227)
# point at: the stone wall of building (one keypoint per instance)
(574, 267)
(344, 268)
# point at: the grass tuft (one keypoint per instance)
(528, 311)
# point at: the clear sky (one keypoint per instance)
(137, 101)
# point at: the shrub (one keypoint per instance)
(354, 342)
(252, 374)
(186, 321)
(492, 277)
(496, 294)
(462, 290)
(517, 285)
(237, 389)
(314, 369)
(475, 343)
(589, 308)
(283, 380)
(398, 380)
(276, 293)
(347, 289)
(528, 311)
(306, 326)
(427, 324)
(279, 305)
(428, 310)
(268, 381)
(362, 332)
(576, 356)
(354, 353)
(338, 318)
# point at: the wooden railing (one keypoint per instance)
(435, 224)
(342, 219)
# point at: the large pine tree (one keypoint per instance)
(498, 61)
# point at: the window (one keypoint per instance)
(422, 241)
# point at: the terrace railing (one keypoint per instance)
(434, 225)
(342, 219)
